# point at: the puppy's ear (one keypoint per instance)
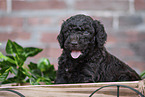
(60, 37)
(100, 34)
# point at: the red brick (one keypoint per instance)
(130, 21)
(140, 5)
(122, 53)
(49, 37)
(41, 54)
(62, 19)
(11, 21)
(53, 52)
(3, 5)
(131, 36)
(14, 35)
(39, 21)
(134, 36)
(6, 36)
(126, 52)
(126, 37)
(102, 5)
(111, 38)
(50, 52)
(106, 21)
(141, 36)
(137, 64)
(24, 36)
(38, 5)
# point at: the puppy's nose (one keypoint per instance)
(74, 42)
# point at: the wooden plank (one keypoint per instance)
(77, 90)
(65, 92)
(132, 84)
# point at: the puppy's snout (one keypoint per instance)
(74, 39)
(74, 42)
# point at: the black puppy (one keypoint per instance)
(84, 57)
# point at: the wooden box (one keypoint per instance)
(76, 90)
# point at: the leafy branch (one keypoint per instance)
(142, 75)
(14, 61)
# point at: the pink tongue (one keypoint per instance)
(75, 54)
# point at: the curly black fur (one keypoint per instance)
(95, 64)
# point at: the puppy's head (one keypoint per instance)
(79, 34)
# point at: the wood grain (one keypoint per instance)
(75, 90)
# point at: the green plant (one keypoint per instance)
(142, 75)
(14, 63)
(43, 71)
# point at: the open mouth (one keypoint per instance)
(76, 54)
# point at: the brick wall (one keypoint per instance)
(37, 23)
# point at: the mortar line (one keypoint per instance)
(9, 6)
(131, 6)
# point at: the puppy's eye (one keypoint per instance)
(86, 33)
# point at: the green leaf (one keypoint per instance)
(20, 59)
(14, 70)
(31, 51)
(35, 72)
(51, 73)
(142, 74)
(43, 79)
(25, 72)
(43, 64)
(13, 47)
(20, 76)
(33, 81)
(6, 64)
(3, 69)
(9, 47)
(32, 66)
(10, 80)
(0, 43)
(17, 48)
(6, 58)
(4, 76)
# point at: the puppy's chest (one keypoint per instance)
(77, 68)
(72, 75)
(74, 68)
